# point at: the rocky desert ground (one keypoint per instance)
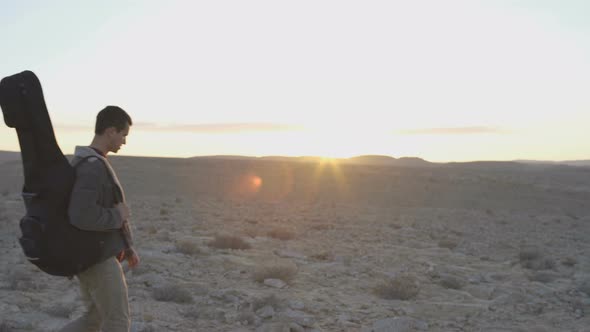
(255, 245)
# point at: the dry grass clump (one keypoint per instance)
(532, 258)
(229, 242)
(448, 242)
(192, 312)
(541, 276)
(187, 247)
(270, 300)
(322, 227)
(402, 287)
(204, 313)
(172, 293)
(529, 253)
(246, 318)
(283, 270)
(151, 229)
(569, 261)
(164, 236)
(451, 282)
(323, 256)
(281, 234)
(251, 232)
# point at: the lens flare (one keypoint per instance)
(256, 182)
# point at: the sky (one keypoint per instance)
(440, 80)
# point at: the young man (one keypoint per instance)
(98, 204)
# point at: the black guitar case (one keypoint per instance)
(48, 239)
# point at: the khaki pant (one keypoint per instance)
(104, 292)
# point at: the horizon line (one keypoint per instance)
(521, 160)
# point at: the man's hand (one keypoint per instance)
(132, 258)
(123, 210)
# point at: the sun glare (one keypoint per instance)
(256, 182)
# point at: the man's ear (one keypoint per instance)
(110, 131)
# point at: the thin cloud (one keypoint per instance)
(219, 128)
(474, 130)
(71, 128)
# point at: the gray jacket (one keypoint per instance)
(93, 199)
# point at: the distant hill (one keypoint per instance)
(580, 163)
(6, 156)
(359, 160)
(372, 160)
(227, 157)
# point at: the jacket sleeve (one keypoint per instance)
(127, 234)
(84, 210)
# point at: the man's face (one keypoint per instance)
(117, 138)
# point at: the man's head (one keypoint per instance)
(112, 126)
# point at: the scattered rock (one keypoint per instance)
(300, 317)
(289, 254)
(275, 283)
(266, 312)
(280, 327)
(397, 324)
(296, 305)
(481, 292)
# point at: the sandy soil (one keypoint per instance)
(464, 247)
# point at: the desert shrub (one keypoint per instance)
(322, 227)
(281, 234)
(529, 253)
(151, 229)
(172, 293)
(532, 258)
(402, 287)
(164, 212)
(229, 242)
(323, 256)
(192, 312)
(448, 242)
(451, 282)
(395, 225)
(569, 261)
(544, 263)
(270, 300)
(246, 318)
(251, 232)
(251, 221)
(284, 271)
(543, 277)
(163, 236)
(204, 313)
(187, 247)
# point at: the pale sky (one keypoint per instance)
(441, 80)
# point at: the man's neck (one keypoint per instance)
(101, 148)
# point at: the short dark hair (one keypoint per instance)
(112, 116)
